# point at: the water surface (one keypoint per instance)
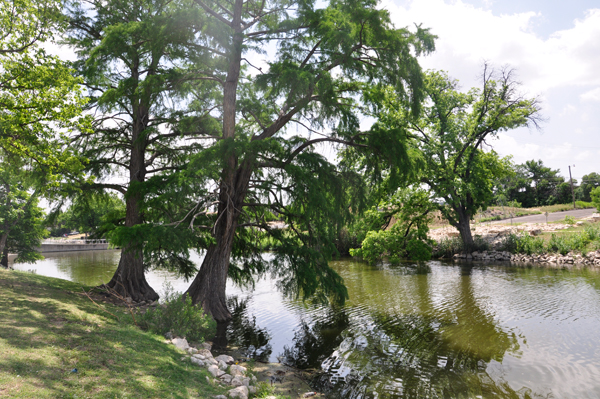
(438, 330)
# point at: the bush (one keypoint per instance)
(448, 247)
(179, 317)
(583, 204)
(569, 220)
(595, 194)
(523, 244)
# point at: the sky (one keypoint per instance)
(554, 47)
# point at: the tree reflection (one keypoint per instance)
(314, 341)
(242, 331)
(436, 347)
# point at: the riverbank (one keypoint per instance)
(568, 242)
(54, 342)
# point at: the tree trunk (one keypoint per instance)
(3, 247)
(129, 279)
(464, 227)
(4, 258)
(208, 288)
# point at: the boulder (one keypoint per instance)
(252, 389)
(180, 343)
(226, 378)
(197, 361)
(237, 381)
(206, 345)
(246, 381)
(236, 370)
(214, 370)
(192, 351)
(225, 358)
(239, 392)
(199, 356)
(222, 365)
(205, 352)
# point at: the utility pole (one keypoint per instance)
(572, 191)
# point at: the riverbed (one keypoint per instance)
(434, 330)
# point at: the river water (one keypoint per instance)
(436, 330)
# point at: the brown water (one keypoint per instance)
(433, 331)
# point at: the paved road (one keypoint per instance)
(576, 213)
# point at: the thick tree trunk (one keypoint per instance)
(129, 279)
(4, 257)
(464, 228)
(208, 288)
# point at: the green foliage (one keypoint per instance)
(584, 205)
(562, 244)
(407, 238)
(569, 220)
(523, 243)
(178, 316)
(595, 195)
(93, 213)
(449, 133)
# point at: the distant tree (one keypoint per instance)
(588, 183)
(595, 195)
(450, 134)
(93, 213)
(534, 184)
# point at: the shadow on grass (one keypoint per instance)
(47, 329)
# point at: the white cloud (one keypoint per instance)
(470, 35)
(591, 95)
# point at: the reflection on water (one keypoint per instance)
(411, 331)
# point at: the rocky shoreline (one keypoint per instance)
(568, 260)
(226, 371)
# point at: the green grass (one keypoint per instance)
(48, 328)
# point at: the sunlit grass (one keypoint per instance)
(49, 328)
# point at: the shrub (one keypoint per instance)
(448, 247)
(569, 220)
(523, 244)
(179, 317)
(595, 194)
(583, 204)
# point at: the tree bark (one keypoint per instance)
(3, 248)
(464, 227)
(4, 257)
(208, 287)
(129, 279)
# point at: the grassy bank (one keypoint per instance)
(48, 328)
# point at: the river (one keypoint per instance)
(436, 330)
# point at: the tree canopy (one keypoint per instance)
(451, 133)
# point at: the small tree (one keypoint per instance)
(451, 132)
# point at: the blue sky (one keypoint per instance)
(554, 47)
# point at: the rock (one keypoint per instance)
(214, 370)
(222, 365)
(246, 381)
(239, 392)
(211, 360)
(252, 389)
(199, 356)
(237, 381)
(206, 345)
(225, 358)
(226, 378)
(192, 351)
(197, 361)
(535, 232)
(236, 370)
(169, 335)
(180, 343)
(205, 352)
